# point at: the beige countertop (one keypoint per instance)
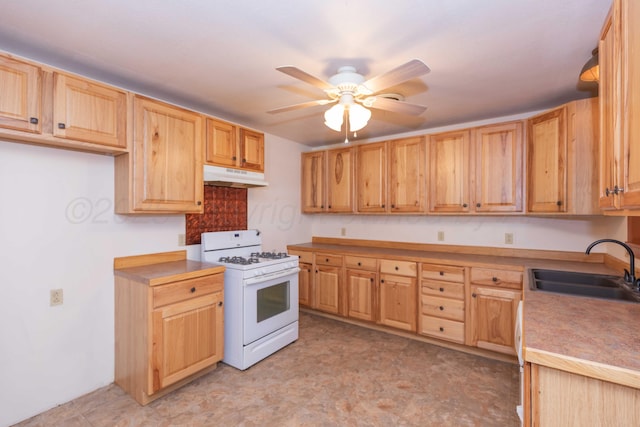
(167, 272)
(594, 337)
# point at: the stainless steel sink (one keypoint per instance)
(582, 284)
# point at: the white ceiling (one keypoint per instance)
(488, 58)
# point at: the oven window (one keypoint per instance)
(273, 300)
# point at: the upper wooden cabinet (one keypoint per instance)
(562, 154)
(87, 111)
(371, 177)
(477, 170)
(498, 167)
(339, 176)
(21, 100)
(163, 173)
(450, 168)
(407, 164)
(620, 108)
(313, 181)
(327, 180)
(235, 147)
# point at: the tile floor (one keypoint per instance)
(336, 374)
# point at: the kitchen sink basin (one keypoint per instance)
(582, 284)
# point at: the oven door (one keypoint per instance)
(270, 303)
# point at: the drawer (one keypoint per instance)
(443, 289)
(402, 268)
(326, 259)
(361, 263)
(304, 256)
(187, 289)
(442, 328)
(445, 273)
(447, 308)
(496, 277)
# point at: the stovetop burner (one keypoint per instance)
(269, 255)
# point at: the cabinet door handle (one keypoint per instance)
(234, 158)
(61, 126)
(33, 120)
(478, 205)
(441, 289)
(193, 289)
(607, 192)
(329, 206)
(441, 308)
(441, 329)
(617, 190)
(359, 264)
(199, 202)
(473, 295)
(371, 279)
(392, 206)
(397, 268)
(381, 280)
(244, 161)
(383, 205)
(495, 279)
(219, 303)
(326, 260)
(464, 205)
(559, 203)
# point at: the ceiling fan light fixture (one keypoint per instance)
(334, 117)
(358, 117)
(591, 70)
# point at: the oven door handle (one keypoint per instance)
(271, 276)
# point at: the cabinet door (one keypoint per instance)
(547, 154)
(221, 144)
(88, 111)
(305, 291)
(630, 16)
(361, 287)
(327, 288)
(609, 113)
(371, 178)
(313, 166)
(498, 157)
(340, 180)
(398, 302)
(20, 103)
(492, 317)
(187, 337)
(407, 160)
(449, 172)
(251, 150)
(560, 398)
(168, 158)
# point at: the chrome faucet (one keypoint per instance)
(630, 275)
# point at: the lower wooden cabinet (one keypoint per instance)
(327, 283)
(493, 303)
(168, 330)
(442, 306)
(362, 294)
(305, 280)
(560, 398)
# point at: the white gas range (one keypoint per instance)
(260, 293)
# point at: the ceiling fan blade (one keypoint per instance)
(305, 77)
(408, 71)
(302, 105)
(401, 107)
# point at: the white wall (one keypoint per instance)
(571, 234)
(58, 230)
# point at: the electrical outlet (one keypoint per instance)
(182, 240)
(508, 238)
(440, 236)
(55, 297)
(343, 231)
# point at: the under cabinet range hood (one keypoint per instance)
(227, 177)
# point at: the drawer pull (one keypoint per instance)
(473, 295)
(441, 308)
(381, 280)
(441, 329)
(326, 260)
(442, 273)
(193, 289)
(359, 263)
(441, 289)
(495, 279)
(397, 268)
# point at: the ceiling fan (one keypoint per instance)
(352, 94)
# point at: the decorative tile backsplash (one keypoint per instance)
(225, 209)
